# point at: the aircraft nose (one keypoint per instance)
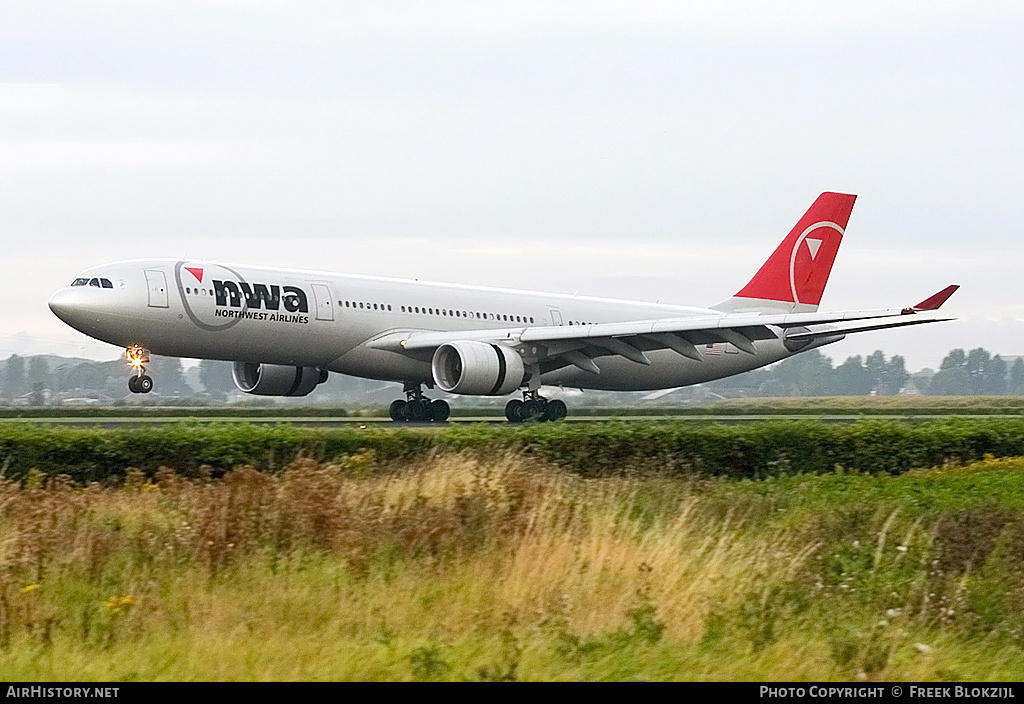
(63, 304)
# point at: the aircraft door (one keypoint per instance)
(156, 282)
(556, 317)
(324, 304)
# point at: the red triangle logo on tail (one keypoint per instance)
(196, 272)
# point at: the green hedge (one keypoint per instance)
(177, 411)
(704, 449)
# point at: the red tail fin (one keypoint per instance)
(797, 271)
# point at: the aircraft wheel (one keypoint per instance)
(395, 410)
(145, 384)
(532, 410)
(513, 409)
(415, 411)
(556, 410)
(438, 411)
(133, 385)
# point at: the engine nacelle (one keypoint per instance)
(276, 379)
(477, 369)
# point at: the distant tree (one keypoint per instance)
(215, 377)
(168, 376)
(952, 378)
(37, 397)
(851, 378)
(976, 364)
(806, 374)
(1016, 380)
(995, 376)
(745, 381)
(772, 387)
(922, 379)
(39, 372)
(14, 377)
(955, 359)
(57, 375)
(896, 375)
(875, 365)
(90, 376)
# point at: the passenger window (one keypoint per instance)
(389, 307)
(360, 305)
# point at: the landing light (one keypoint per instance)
(136, 356)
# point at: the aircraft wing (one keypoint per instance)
(580, 344)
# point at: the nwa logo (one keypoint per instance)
(260, 296)
(216, 297)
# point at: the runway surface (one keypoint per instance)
(378, 422)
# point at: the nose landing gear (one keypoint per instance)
(417, 407)
(140, 382)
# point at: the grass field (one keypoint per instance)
(808, 405)
(453, 567)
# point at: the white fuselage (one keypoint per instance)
(314, 319)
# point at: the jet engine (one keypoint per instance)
(477, 368)
(276, 379)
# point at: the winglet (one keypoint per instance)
(935, 301)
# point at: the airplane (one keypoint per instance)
(286, 330)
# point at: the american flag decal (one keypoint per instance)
(715, 348)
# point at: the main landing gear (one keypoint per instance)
(534, 407)
(139, 382)
(417, 407)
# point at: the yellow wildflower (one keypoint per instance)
(117, 604)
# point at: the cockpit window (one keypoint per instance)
(106, 283)
(94, 282)
(80, 282)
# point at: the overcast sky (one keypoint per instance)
(654, 151)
